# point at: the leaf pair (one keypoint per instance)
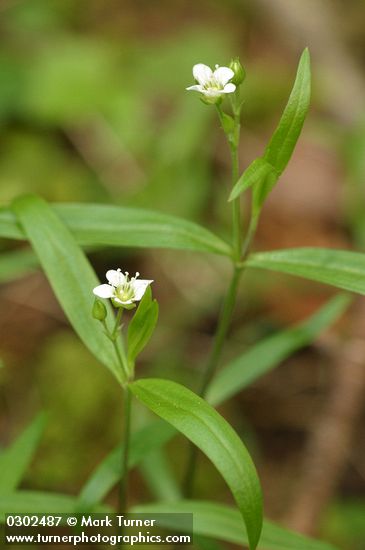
(263, 173)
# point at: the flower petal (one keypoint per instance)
(229, 88)
(196, 87)
(223, 75)
(104, 291)
(139, 287)
(202, 73)
(114, 277)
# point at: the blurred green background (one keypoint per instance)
(93, 108)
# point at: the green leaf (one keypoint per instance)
(254, 173)
(271, 351)
(200, 423)
(281, 146)
(17, 264)
(108, 472)
(15, 460)
(225, 523)
(339, 268)
(142, 326)
(261, 190)
(93, 224)
(9, 227)
(34, 502)
(285, 137)
(69, 273)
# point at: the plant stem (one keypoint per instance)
(119, 348)
(118, 321)
(249, 236)
(123, 487)
(220, 336)
(240, 252)
(236, 204)
(221, 332)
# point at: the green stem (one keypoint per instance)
(123, 487)
(240, 251)
(221, 332)
(213, 361)
(118, 321)
(118, 344)
(236, 208)
(249, 236)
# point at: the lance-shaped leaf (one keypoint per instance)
(208, 430)
(254, 173)
(15, 460)
(141, 326)
(339, 268)
(17, 264)
(225, 523)
(69, 273)
(282, 144)
(285, 137)
(270, 352)
(94, 225)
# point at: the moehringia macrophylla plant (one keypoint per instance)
(221, 88)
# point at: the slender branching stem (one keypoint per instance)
(212, 364)
(239, 250)
(249, 236)
(221, 332)
(123, 487)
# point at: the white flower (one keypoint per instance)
(121, 289)
(212, 84)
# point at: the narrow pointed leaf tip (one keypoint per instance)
(209, 431)
(285, 137)
(263, 173)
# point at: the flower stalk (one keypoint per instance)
(231, 127)
(123, 487)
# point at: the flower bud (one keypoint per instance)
(239, 71)
(99, 311)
